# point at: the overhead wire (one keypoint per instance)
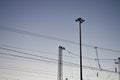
(72, 53)
(38, 51)
(68, 51)
(75, 54)
(53, 38)
(66, 63)
(26, 71)
(26, 49)
(31, 55)
(51, 59)
(35, 72)
(27, 57)
(49, 37)
(42, 56)
(35, 34)
(27, 53)
(95, 59)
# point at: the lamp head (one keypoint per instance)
(80, 20)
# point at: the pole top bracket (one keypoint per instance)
(80, 20)
(62, 47)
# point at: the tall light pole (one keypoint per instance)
(80, 20)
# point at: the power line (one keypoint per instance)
(52, 38)
(36, 72)
(24, 57)
(36, 34)
(51, 59)
(107, 59)
(27, 53)
(66, 63)
(50, 53)
(74, 54)
(41, 56)
(26, 71)
(28, 49)
(27, 57)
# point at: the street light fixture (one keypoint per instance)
(80, 20)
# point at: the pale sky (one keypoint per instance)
(56, 18)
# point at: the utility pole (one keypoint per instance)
(60, 63)
(119, 66)
(118, 62)
(97, 58)
(80, 20)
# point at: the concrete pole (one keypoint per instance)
(119, 66)
(60, 63)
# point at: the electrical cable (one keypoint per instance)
(26, 71)
(36, 72)
(42, 51)
(52, 38)
(66, 63)
(55, 60)
(46, 57)
(72, 53)
(27, 53)
(35, 34)
(27, 57)
(28, 49)
(34, 50)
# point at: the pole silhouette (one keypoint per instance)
(60, 63)
(80, 20)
